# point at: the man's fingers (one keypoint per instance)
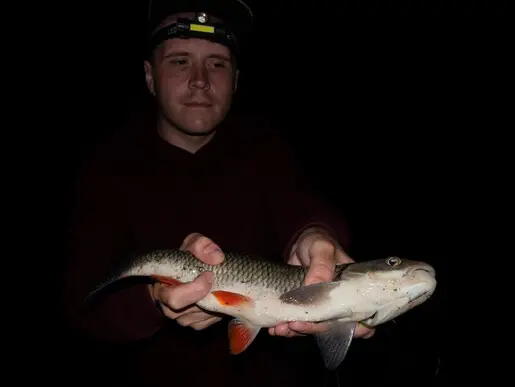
(322, 262)
(363, 332)
(184, 295)
(203, 324)
(342, 257)
(282, 330)
(307, 328)
(173, 299)
(192, 317)
(173, 315)
(203, 248)
(297, 328)
(197, 320)
(190, 238)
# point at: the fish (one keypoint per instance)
(258, 293)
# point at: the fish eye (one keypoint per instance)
(393, 261)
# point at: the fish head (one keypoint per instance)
(392, 285)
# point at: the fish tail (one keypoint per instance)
(111, 282)
(99, 288)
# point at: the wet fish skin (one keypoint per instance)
(236, 267)
(260, 293)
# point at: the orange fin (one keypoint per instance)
(167, 280)
(230, 299)
(241, 335)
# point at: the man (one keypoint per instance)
(208, 181)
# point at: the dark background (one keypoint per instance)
(382, 100)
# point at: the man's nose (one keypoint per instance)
(199, 77)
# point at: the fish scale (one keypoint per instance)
(236, 267)
(261, 293)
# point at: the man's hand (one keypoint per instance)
(320, 252)
(177, 302)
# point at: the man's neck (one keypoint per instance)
(182, 140)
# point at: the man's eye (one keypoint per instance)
(178, 62)
(219, 64)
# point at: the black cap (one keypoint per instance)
(236, 14)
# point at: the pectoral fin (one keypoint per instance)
(310, 294)
(335, 342)
(241, 335)
(231, 299)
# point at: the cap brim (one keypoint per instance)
(235, 13)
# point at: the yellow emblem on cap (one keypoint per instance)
(201, 28)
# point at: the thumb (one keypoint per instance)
(181, 296)
(343, 257)
(203, 248)
(322, 262)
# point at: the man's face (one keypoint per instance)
(193, 80)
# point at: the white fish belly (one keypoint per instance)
(266, 309)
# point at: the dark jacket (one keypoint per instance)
(136, 192)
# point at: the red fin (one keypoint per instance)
(167, 280)
(229, 298)
(241, 335)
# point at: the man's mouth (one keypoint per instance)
(198, 104)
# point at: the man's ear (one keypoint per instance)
(149, 77)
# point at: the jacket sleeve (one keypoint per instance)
(293, 203)
(99, 236)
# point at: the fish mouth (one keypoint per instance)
(396, 308)
(425, 283)
(415, 294)
(426, 269)
(424, 295)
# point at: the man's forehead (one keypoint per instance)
(195, 45)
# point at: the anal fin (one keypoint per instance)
(241, 335)
(335, 342)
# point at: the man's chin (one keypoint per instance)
(193, 125)
(198, 128)
(197, 131)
